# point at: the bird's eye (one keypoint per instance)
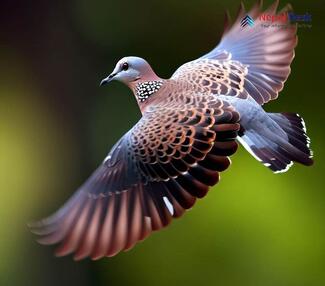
(125, 66)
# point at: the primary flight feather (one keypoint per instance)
(190, 125)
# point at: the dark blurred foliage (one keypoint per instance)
(56, 125)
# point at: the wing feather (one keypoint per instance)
(152, 175)
(248, 61)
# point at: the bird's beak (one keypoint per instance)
(108, 79)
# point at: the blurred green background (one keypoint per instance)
(56, 125)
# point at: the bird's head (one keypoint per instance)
(130, 71)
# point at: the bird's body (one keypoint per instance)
(189, 127)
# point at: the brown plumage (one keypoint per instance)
(154, 173)
(187, 132)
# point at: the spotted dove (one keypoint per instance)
(189, 127)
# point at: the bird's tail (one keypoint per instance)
(278, 151)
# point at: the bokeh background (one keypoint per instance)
(56, 125)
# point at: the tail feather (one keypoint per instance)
(295, 127)
(278, 151)
(266, 151)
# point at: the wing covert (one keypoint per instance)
(153, 174)
(257, 57)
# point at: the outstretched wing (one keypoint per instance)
(154, 173)
(250, 60)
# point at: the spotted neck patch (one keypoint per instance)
(145, 89)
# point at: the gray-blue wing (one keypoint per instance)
(266, 48)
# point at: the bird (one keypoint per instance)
(191, 124)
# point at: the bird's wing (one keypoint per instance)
(258, 57)
(154, 173)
